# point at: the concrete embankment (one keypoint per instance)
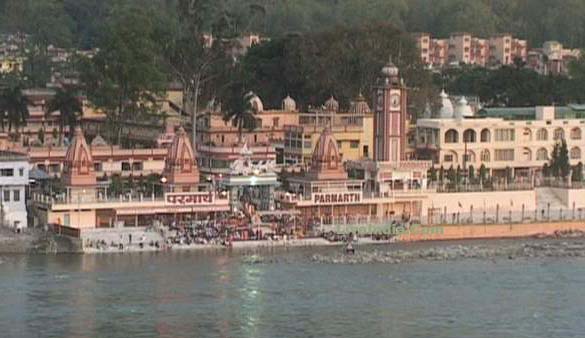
(37, 242)
(477, 231)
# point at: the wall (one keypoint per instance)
(455, 232)
(83, 219)
(570, 196)
(489, 200)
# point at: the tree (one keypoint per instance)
(577, 173)
(483, 173)
(451, 175)
(471, 173)
(41, 135)
(441, 173)
(69, 107)
(244, 114)
(124, 78)
(433, 174)
(545, 170)
(559, 163)
(14, 107)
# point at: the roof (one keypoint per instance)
(8, 156)
(571, 111)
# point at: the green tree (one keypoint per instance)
(451, 175)
(545, 170)
(243, 115)
(14, 107)
(471, 173)
(483, 173)
(441, 174)
(125, 76)
(433, 174)
(577, 173)
(559, 163)
(41, 135)
(69, 107)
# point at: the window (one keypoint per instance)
(542, 135)
(504, 135)
(366, 151)
(6, 195)
(504, 155)
(16, 195)
(354, 144)
(485, 155)
(21, 172)
(576, 133)
(137, 166)
(97, 166)
(558, 134)
(125, 166)
(469, 136)
(575, 153)
(526, 154)
(451, 136)
(275, 121)
(542, 154)
(448, 158)
(339, 144)
(8, 172)
(485, 135)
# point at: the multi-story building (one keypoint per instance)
(521, 139)
(352, 129)
(13, 182)
(552, 58)
(467, 49)
(220, 141)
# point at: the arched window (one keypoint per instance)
(575, 153)
(469, 136)
(485, 135)
(542, 154)
(485, 155)
(576, 133)
(542, 135)
(526, 134)
(526, 154)
(451, 136)
(558, 134)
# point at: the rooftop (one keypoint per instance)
(9, 156)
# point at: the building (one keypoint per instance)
(352, 129)
(387, 187)
(14, 169)
(86, 204)
(464, 48)
(552, 58)
(517, 138)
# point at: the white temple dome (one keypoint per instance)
(463, 109)
(288, 104)
(390, 70)
(446, 111)
(359, 106)
(332, 104)
(255, 102)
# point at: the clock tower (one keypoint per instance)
(389, 115)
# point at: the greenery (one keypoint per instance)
(80, 22)
(13, 107)
(69, 107)
(559, 165)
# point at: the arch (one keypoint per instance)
(485, 135)
(576, 133)
(471, 158)
(558, 134)
(469, 136)
(542, 135)
(542, 154)
(526, 134)
(451, 136)
(485, 155)
(575, 153)
(526, 154)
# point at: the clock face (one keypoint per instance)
(395, 101)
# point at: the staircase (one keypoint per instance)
(544, 196)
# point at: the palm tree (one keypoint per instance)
(243, 115)
(14, 107)
(69, 107)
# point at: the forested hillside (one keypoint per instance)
(79, 21)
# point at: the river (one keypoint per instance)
(223, 294)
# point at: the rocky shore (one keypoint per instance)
(511, 250)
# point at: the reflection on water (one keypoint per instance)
(190, 294)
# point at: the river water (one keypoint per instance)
(222, 294)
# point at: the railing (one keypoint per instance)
(62, 199)
(560, 183)
(448, 188)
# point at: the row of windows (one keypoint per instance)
(15, 195)
(506, 135)
(542, 154)
(9, 172)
